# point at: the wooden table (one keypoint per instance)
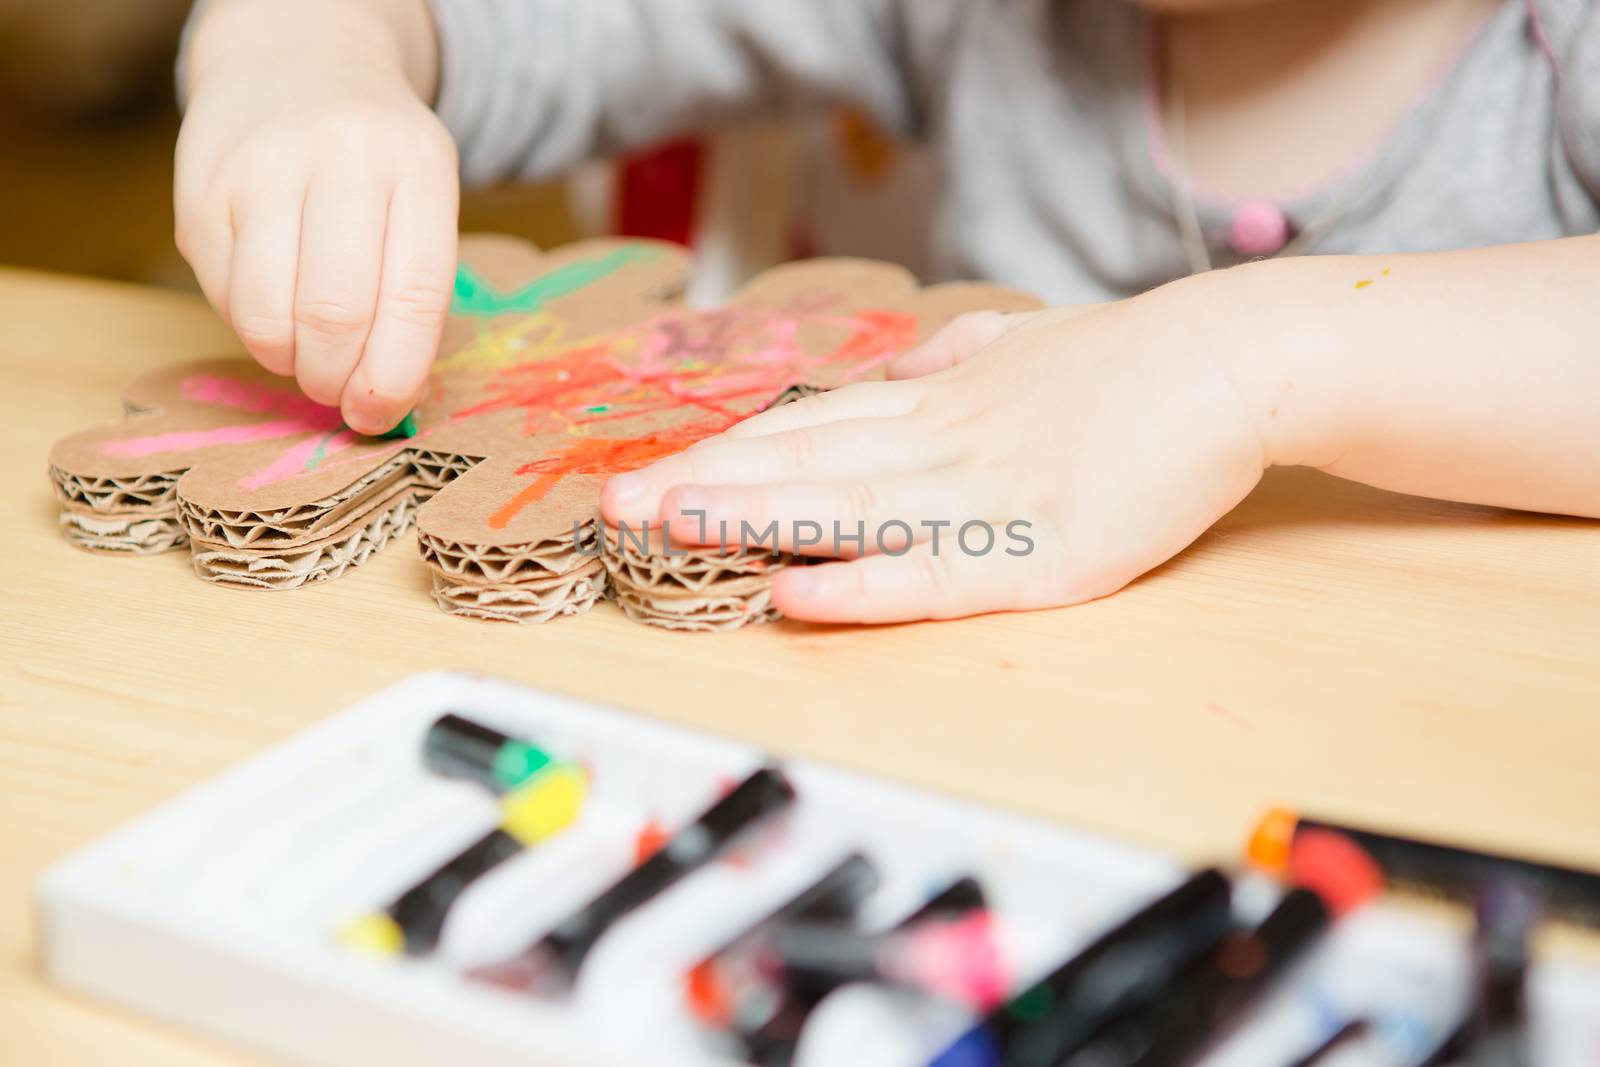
(1428, 666)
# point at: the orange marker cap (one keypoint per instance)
(708, 997)
(1269, 846)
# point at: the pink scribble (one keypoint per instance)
(301, 416)
(260, 399)
(185, 440)
(297, 460)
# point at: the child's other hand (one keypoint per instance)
(316, 199)
(1119, 432)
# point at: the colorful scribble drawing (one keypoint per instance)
(557, 370)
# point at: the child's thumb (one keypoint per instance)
(959, 340)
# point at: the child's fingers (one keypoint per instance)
(838, 451)
(967, 335)
(261, 288)
(919, 584)
(204, 236)
(960, 338)
(864, 400)
(845, 519)
(341, 242)
(413, 299)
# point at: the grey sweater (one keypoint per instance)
(1038, 112)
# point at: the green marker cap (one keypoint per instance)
(516, 762)
(458, 747)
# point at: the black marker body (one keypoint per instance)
(775, 1042)
(1118, 971)
(420, 911)
(1203, 1004)
(563, 949)
(733, 981)
(1457, 873)
(457, 747)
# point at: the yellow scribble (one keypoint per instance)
(1363, 283)
(510, 345)
(1386, 272)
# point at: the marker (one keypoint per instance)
(556, 957)
(406, 427)
(1350, 1031)
(460, 748)
(1508, 916)
(1493, 1031)
(732, 988)
(961, 959)
(1436, 869)
(1120, 970)
(1453, 1048)
(1213, 995)
(775, 1042)
(541, 807)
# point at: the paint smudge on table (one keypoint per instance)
(1227, 715)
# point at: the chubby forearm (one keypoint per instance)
(1471, 375)
(395, 34)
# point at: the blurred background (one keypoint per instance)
(88, 121)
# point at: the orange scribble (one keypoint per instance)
(718, 364)
(881, 333)
(599, 455)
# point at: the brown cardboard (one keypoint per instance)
(557, 371)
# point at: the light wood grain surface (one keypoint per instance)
(1425, 666)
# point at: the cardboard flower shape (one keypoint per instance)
(557, 370)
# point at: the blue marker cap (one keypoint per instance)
(975, 1048)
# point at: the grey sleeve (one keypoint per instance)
(1578, 92)
(530, 88)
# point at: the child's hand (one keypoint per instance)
(316, 199)
(1118, 432)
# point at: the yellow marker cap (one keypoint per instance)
(545, 805)
(375, 934)
(1269, 846)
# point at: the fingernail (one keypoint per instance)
(365, 421)
(627, 489)
(366, 413)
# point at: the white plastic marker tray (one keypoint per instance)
(219, 909)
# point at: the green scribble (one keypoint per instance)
(475, 296)
(314, 460)
(598, 409)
